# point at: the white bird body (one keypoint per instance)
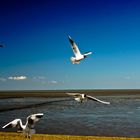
(78, 56)
(77, 99)
(28, 128)
(82, 97)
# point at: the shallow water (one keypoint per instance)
(66, 116)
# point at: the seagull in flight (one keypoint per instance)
(82, 97)
(28, 128)
(1, 46)
(78, 56)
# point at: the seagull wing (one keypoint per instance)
(73, 94)
(32, 119)
(95, 99)
(88, 53)
(74, 47)
(14, 123)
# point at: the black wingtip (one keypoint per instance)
(40, 115)
(70, 39)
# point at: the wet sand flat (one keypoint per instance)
(61, 93)
(64, 116)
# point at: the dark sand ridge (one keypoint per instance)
(35, 105)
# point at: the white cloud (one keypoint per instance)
(39, 78)
(2, 79)
(17, 77)
(45, 80)
(127, 77)
(54, 82)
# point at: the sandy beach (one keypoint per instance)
(17, 136)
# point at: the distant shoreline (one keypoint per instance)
(61, 93)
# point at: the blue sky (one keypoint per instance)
(36, 53)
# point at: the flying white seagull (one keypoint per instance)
(28, 128)
(82, 97)
(1, 46)
(78, 56)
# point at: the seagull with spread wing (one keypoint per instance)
(78, 56)
(82, 97)
(28, 128)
